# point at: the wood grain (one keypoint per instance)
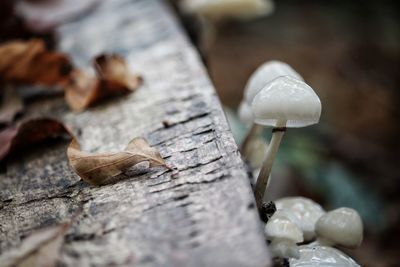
(203, 216)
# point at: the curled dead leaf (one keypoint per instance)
(28, 133)
(41, 248)
(113, 69)
(113, 79)
(100, 168)
(30, 62)
(10, 105)
(81, 90)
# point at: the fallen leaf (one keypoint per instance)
(113, 79)
(41, 248)
(28, 133)
(31, 62)
(81, 90)
(113, 69)
(99, 168)
(11, 104)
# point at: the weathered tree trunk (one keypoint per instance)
(203, 216)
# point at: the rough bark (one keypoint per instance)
(204, 216)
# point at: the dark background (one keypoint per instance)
(349, 52)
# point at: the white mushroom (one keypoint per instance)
(255, 154)
(264, 74)
(306, 211)
(341, 227)
(210, 12)
(220, 9)
(245, 113)
(283, 232)
(312, 256)
(254, 150)
(284, 102)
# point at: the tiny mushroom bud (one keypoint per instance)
(341, 227)
(312, 256)
(283, 232)
(284, 102)
(305, 210)
(264, 74)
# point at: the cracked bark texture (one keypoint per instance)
(203, 216)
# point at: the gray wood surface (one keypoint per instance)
(204, 216)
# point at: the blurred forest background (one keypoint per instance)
(349, 52)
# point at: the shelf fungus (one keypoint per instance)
(281, 103)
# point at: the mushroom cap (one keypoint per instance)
(286, 100)
(218, 9)
(283, 248)
(266, 73)
(306, 211)
(283, 225)
(245, 113)
(311, 256)
(341, 226)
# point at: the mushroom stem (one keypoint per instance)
(252, 133)
(262, 180)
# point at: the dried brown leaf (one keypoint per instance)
(31, 62)
(113, 79)
(99, 168)
(41, 248)
(11, 104)
(113, 68)
(28, 133)
(80, 92)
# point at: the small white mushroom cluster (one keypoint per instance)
(277, 96)
(305, 210)
(301, 214)
(299, 219)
